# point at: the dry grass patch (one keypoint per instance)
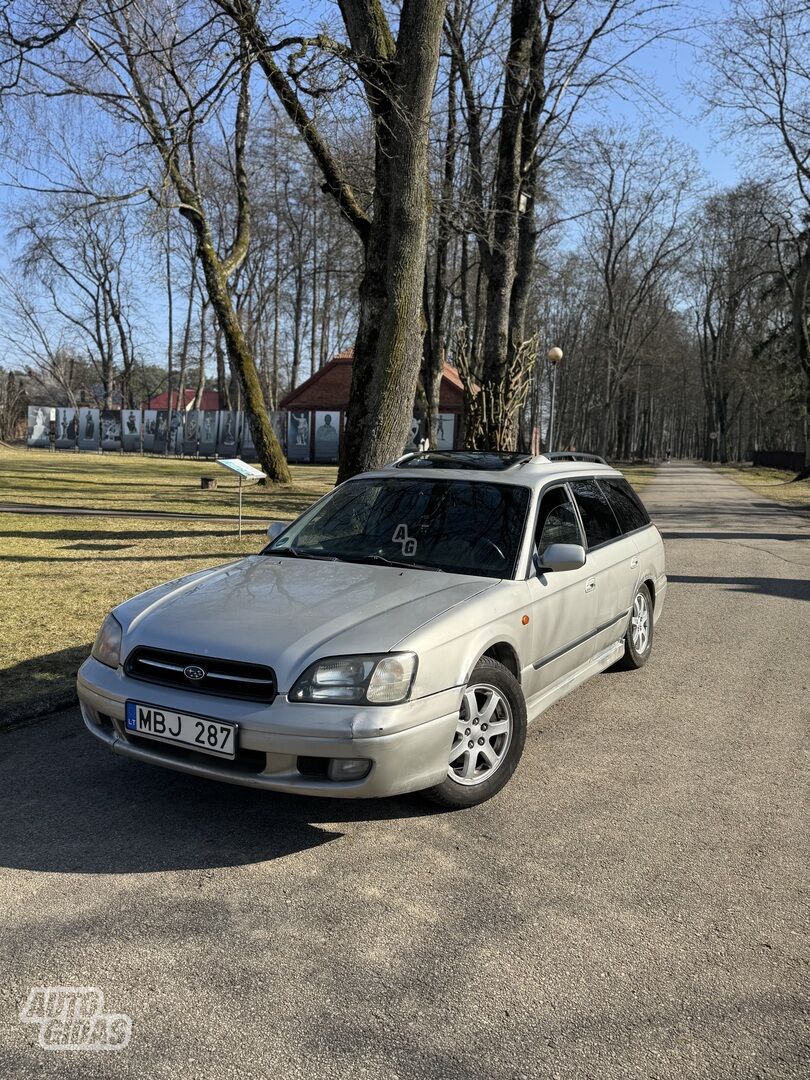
(60, 575)
(142, 483)
(777, 484)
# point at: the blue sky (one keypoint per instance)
(676, 69)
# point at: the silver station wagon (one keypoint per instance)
(398, 636)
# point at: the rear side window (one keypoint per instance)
(597, 517)
(626, 504)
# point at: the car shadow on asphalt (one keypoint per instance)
(785, 588)
(69, 805)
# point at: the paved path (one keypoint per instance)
(630, 906)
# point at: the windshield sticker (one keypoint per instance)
(401, 537)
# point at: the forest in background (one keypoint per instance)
(681, 309)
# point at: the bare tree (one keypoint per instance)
(79, 256)
(28, 27)
(397, 73)
(12, 403)
(761, 59)
(558, 54)
(46, 351)
(172, 77)
(637, 189)
(730, 261)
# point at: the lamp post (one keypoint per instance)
(554, 356)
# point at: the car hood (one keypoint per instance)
(288, 612)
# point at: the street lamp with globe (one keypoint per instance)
(554, 357)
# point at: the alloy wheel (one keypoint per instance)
(640, 624)
(483, 735)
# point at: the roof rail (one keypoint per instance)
(475, 460)
(575, 455)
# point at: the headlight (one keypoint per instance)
(107, 646)
(358, 680)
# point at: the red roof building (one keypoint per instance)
(210, 400)
(330, 387)
(316, 408)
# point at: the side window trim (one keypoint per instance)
(597, 547)
(583, 536)
(536, 520)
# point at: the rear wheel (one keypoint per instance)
(639, 637)
(489, 738)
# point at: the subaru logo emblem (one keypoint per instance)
(194, 672)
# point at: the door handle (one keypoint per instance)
(634, 563)
(590, 584)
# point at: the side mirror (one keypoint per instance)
(559, 557)
(276, 528)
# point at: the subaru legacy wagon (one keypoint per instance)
(396, 637)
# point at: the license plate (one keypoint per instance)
(201, 733)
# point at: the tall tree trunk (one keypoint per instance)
(183, 364)
(499, 428)
(223, 382)
(399, 76)
(388, 348)
(801, 335)
(432, 375)
(313, 338)
(268, 450)
(527, 219)
(170, 330)
(197, 404)
(298, 313)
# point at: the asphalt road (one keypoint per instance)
(632, 905)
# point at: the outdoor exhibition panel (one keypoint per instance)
(193, 432)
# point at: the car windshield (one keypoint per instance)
(456, 526)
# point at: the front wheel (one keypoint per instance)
(489, 738)
(639, 637)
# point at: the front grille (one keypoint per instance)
(225, 678)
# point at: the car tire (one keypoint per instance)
(638, 640)
(482, 760)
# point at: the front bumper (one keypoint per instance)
(407, 745)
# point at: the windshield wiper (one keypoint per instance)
(383, 561)
(294, 553)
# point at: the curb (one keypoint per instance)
(21, 715)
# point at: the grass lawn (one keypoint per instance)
(775, 484)
(59, 575)
(134, 482)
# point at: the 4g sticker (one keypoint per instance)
(408, 543)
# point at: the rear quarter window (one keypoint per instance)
(626, 505)
(597, 517)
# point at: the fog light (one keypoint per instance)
(348, 768)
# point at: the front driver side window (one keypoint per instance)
(556, 521)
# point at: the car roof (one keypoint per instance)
(524, 470)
